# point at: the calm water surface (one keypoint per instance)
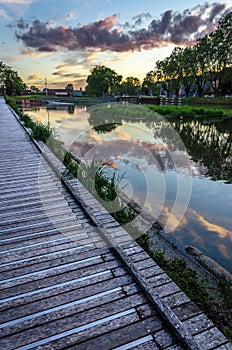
(179, 171)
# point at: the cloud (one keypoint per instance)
(221, 231)
(139, 19)
(22, 24)
(26, 51)
(18, 2)
(76, 76)
(73, 65)
(107, 35)
(3, 14)
(34, 76)
(224, 250)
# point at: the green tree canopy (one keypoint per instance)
(131, 86)
(10, 81)
(102, 81)
(149, 85)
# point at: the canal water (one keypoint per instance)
(179, 171)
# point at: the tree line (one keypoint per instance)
(191, 68)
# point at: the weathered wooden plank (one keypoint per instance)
(176, 299)
(225, 346)
(30, 194)
(186, 311)
(57, 222)
(198, 323)
(67, 257)
(146, 343)
(57, 272)
(73, 288)
(17, 221)
(48, 325)
(74, 282)
(26, 202)
(127, 334)
(53, 255)
(77, 335)
(165, 338)
(23, 213)
(139, 257)
(211, 338)
(51, 312)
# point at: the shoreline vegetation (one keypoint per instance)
(190, 108)
(186, 111)
(214, 298)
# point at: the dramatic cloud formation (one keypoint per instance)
(106, 35)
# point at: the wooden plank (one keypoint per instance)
(70, 318)
(128, 334)
(57, 273)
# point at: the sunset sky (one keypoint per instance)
(63, 40)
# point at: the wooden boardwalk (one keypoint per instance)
(65, 283)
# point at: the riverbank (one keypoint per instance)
(186, 111)
(224, 102)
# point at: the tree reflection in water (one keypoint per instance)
(209, 144)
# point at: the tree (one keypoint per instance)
(102, 81)
(186, 57)
(226, 81)
(10, 81)
(221, 51)
(173, 68)
(149, 85)
(33, 88)
(131, 86)
(69, 87)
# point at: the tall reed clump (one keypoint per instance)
(105, 184)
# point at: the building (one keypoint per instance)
(63, 92)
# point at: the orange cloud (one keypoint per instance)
(224, 251)
(221, 231)
(34, 76)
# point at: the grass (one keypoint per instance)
(190, 111)
(28, 97)
(83, 100)
(218, 101)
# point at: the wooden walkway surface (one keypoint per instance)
(63, 283)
